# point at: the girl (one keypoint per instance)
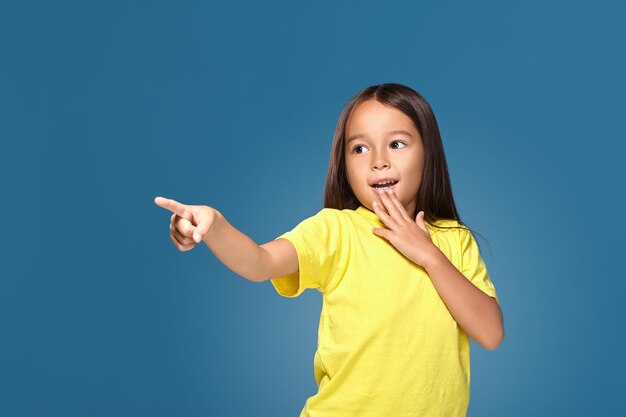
(402, 278)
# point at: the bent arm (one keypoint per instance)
(477, 313)
(243, 256)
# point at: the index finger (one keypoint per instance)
(173, 206)
(398, 205)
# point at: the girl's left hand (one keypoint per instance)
(410, 237)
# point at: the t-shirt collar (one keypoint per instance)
(369, 214)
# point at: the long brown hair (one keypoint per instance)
(435, 194)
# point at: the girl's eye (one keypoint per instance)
(397, 141)
(354, 150)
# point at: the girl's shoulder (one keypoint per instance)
(445, 225)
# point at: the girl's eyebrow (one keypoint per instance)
(393, 132)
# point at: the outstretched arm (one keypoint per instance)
(236, 250)
(233, 248)
(256, 263)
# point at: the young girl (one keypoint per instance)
(402, 278)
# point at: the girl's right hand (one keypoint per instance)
(189, 224)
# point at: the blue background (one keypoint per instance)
(106, 105)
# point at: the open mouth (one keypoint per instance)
(384, 186)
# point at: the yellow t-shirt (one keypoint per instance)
(387, 344)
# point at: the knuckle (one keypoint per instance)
(189, 230)
(181, 244)
(175, 243)
(181, 238)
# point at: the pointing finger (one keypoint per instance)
(173, 206)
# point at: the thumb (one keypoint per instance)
(199, 233)
(204, 224)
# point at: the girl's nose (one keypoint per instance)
(380, 163)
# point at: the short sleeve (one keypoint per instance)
(473, 266)
(317, 241)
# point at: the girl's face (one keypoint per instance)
(382, 142)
